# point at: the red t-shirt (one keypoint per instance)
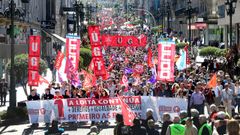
(58, 97)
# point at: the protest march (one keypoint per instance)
(131, 79)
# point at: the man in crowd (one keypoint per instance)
(33, 95)
(190, 128)
(176, 128)
(205, 129)
(166, 122)
(119, 125)
(227, 95)
(151, 128)
(197, 99)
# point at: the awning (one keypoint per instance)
(56, 36)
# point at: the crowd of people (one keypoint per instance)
(217, 123)
(220, 101)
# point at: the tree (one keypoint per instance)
(211, 52)
(85, 57)
(180, 45)
(21, 70)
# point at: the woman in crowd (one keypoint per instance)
(75, 94)
(67, 94)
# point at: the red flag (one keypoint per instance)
(59, 59)
(73, 50)
(91, 65)
(110, 67)
(126, 60)
(33, 61)
(33, 78)
(128, 114)
(106, 76)
(150, 63)
(138, 68)
(43, 80)
(166, 55)
(127, 50)
(213, 82)
(89, 80)
(111, 59)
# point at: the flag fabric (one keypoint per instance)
(72, 74)
(105, 77)
(213, 82)
(153, 79)
(149, 60)
(126, 60)
(43, 80)
(182, 61)
(110, 67)
(59, 59)
(60, 79)
(124, 81)
(128, 71)
(91, 65)
(137, 80)
(128, 114)
(89, 80)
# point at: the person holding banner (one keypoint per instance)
(58, 95)
(33, 95)
(67, 94)
(47, 95)
(92, 93)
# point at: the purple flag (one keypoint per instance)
(128, 71)
(72, 74)
(153, 79)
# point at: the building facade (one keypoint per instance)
(203, 19)
(223, 22)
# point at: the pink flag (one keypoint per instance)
(124, 81)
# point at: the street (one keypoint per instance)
(24, 129)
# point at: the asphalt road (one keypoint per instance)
(24, 129)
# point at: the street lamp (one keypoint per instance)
(78, 6)
(230, 8)
(189, 9)
(168, 17)
(12, 75)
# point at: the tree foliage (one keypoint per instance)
(85, 57)
(211, 52)
(21, 69)
(156, 29)
(180, 45)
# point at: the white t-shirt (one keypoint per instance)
(218, 89)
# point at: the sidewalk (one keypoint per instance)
(20, 92)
